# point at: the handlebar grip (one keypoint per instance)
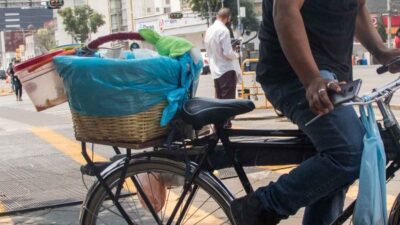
(382, 69)
(114, 37)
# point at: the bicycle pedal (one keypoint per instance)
(98, 166)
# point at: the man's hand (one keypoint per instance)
(317, 95)
(387, 56)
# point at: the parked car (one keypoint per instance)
(3, 75)
(206, 66)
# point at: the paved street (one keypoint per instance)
(40, 160)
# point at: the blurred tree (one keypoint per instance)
(45, 39)
(81, 21)
(381, 29)
(209, 8)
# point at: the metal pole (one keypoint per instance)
(239, 19)
(389, 37)
(209, 19)
(239, 30)
(222, 3)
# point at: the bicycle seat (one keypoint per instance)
(203, 111)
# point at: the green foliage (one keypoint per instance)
(45, 39)
(381, 30)
(81, 21)
(207, 7)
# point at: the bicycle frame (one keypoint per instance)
(294, 148)
(381, 96)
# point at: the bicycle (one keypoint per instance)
(187, 190)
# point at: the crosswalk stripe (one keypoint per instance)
(67, 146)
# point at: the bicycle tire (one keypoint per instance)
(394, 216)
(94, 201)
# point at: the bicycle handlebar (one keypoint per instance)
(385, 68)
(377, 94)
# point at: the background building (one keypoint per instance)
(154, 15)
(117, 14)
(20, 3)
(18, 18)
(24, 18)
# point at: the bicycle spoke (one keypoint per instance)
(182, 204)
(187, 205)
(166, 205)
(198, 208)
(95, 216)
(134, 209)
(205, 217)
(149, 206)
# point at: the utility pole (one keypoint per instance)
(239, 19)
(389, 23)
(209, 19)
(239, 29)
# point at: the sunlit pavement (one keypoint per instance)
(39, 162)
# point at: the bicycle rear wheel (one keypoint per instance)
(205, 202)
(394, 217)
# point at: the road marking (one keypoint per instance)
(72, 149)
(67, 146)
(5, 219)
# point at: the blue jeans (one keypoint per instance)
(321, 182)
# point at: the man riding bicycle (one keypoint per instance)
(305, 51)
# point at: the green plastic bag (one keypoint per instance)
(167, 45)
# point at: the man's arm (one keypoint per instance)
(227, 50)
(368, 35)
(293, 38)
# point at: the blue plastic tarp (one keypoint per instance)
(117, 87)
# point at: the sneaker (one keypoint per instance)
(248, 210)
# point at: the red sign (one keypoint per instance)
(13, 39)
(394, 19)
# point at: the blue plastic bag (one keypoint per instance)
(371, 201)
(116, 87)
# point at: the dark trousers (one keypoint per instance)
(18, 89)
(319, 183)
(225, 86)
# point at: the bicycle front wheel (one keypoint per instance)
(163, 183)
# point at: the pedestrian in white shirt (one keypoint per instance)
(223, 60)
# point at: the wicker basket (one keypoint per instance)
(135, 129)
(132, 131)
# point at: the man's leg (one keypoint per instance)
(20, 91)
(227, 85)
(227, 89)
(217, 89)
(325, 209)
(16, 92)
(338, 138)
